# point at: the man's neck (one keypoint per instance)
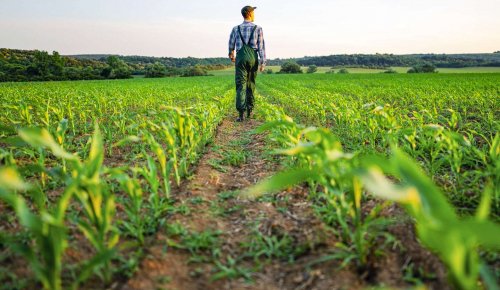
(248, 20)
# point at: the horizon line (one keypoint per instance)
(304, 56)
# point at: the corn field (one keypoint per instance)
(88, 169)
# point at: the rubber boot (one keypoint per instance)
(240, 118)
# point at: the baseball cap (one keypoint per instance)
(247, 9)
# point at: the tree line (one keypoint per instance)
(159, 70)
(166, 61)
(379, 61)
(24, 65)
(382, 61)
(292, 67)
(143, 65)
(34, 65)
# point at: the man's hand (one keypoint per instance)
(261, 68)
(231, 56)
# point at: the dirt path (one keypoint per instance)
(250, 242)
(217, 240)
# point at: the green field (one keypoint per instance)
(95, 175)
(323, 69)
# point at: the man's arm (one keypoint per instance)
(232, 43)
(261, 46)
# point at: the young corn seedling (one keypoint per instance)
(97, 203)
(134, 227)
(169, 136)
(455, 240)
(358, 233)
(165, 165)
(61, 136)
(184, 126)
(157, 203)
(327, 165)
(46, 227)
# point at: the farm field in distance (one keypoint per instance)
(362, 179)
(398, 69)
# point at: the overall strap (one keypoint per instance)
(241, 36)
(251, 35)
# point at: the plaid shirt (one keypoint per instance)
(256, 43)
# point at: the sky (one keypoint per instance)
(291, 28)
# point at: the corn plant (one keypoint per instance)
(184, 125)
(61, 135)
(98, 204)
(157, 203)
(456, 240)
(165, 165)
(446, 122)
(135, 225)
(168, 134)
(324, 163)
(45, 226)
(85, 184)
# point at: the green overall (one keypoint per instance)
(246, 72)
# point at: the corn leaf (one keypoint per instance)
(281, 181)
(41, 138)
(10, 180)
(431, 197)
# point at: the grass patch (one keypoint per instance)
(216, 164)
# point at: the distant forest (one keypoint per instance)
(35, 65)
(141, 61)
(340, 60)
(391, 60)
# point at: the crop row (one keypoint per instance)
(394, 138)
(87, 170)
(447, 123)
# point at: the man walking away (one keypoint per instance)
(248, 41)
